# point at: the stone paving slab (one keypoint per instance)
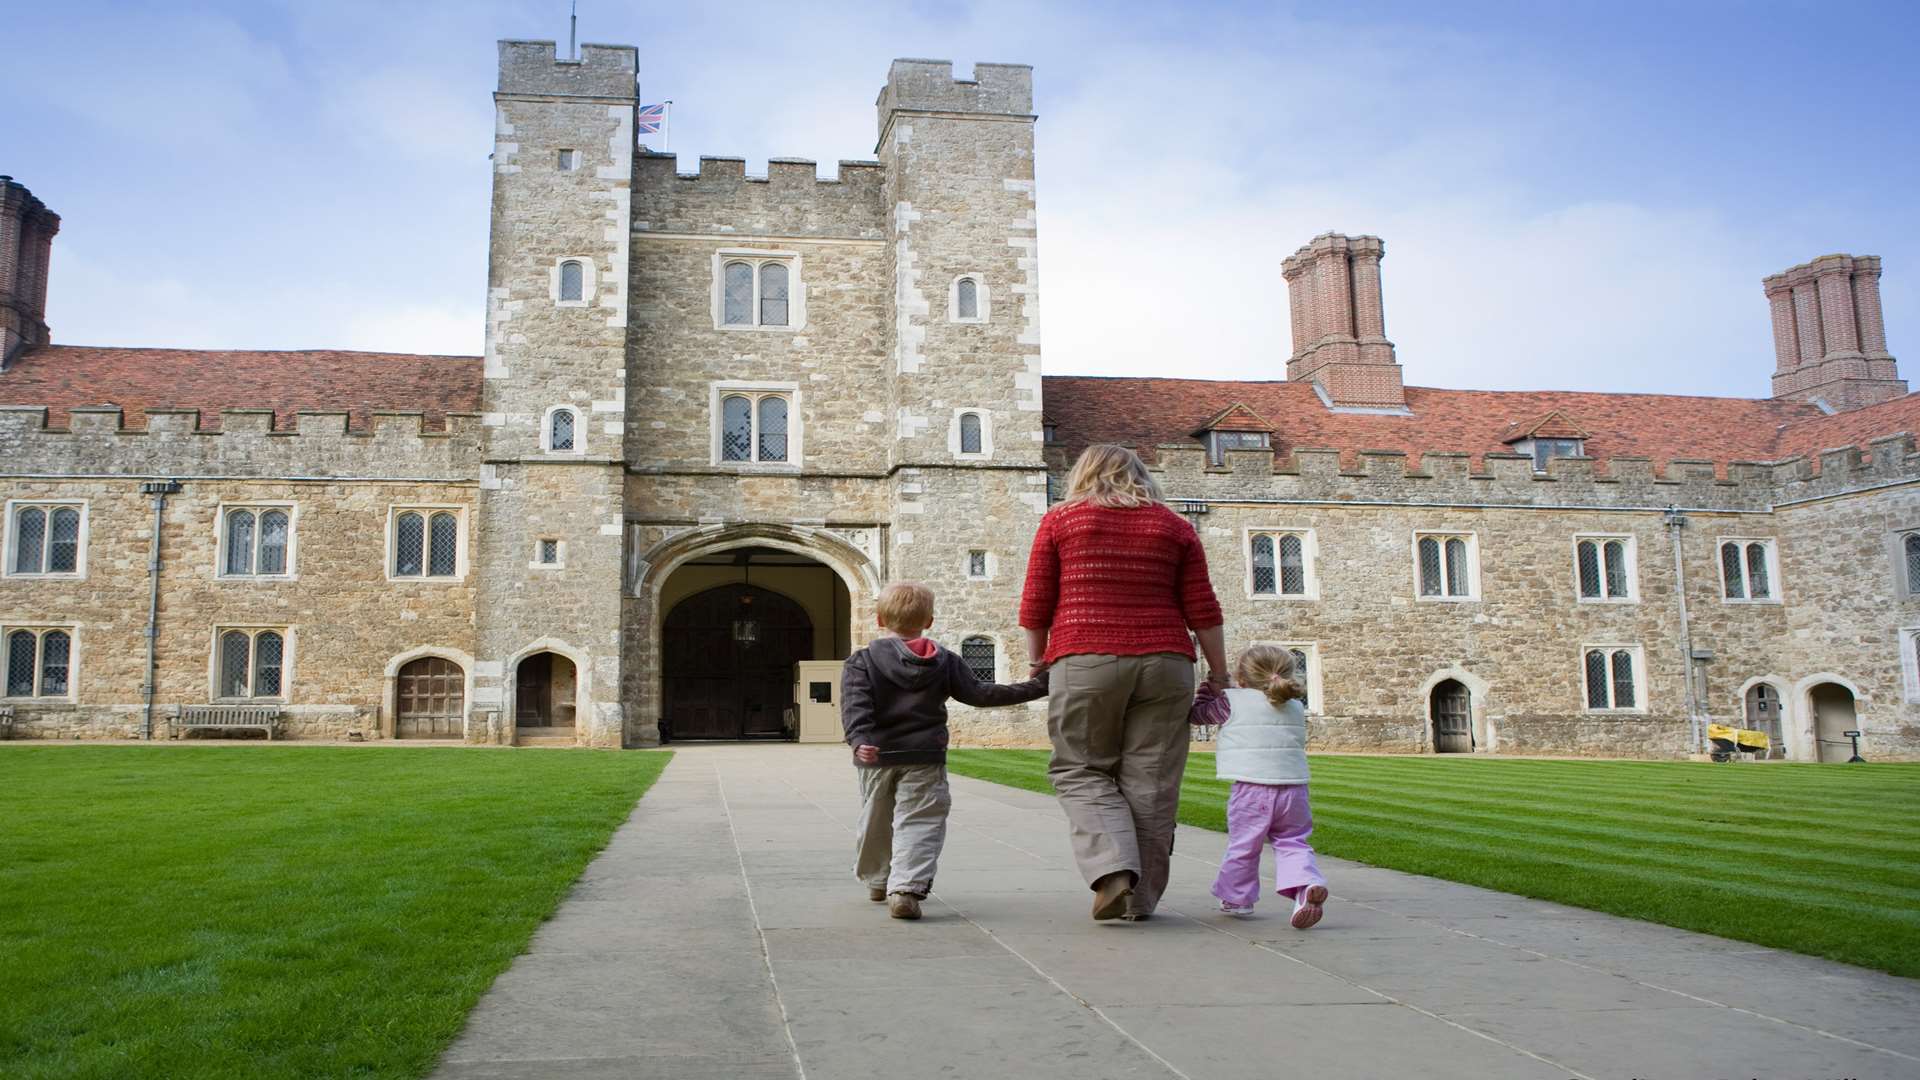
(721, 934)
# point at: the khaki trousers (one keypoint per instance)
(903, 825)
(1119, 730)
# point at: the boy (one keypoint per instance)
(893, 703)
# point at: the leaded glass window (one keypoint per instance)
(549, 552)
(1293, 565)
(29, 540)
(1732, 573)
(1457, 567)
(1264, 581)
(1746, 569)
(977, 654)
(1596, 679)
(560, 430)
(1758, 587)
(1301, 675)
(443, 542)
(55, 647)
(409, 544)
(63, 549)
(1911, 545)
(1622, 679)
(737, 301)
(572, 277)
(1589, 569)
(1429, 566)
(46, 539)
(736, 428)
(236, 653)
(1603, 570)
(275, 528)
(967, 299)
(773, 429)
(976, 564)
(970, 439)
(268, 651)
(1616, 560)
(240, 541)
(773, 294)
(1611, 679)
(252, 664)
(22, 655)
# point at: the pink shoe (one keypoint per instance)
(1306, 906)
(1235, 909)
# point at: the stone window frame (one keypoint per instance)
(1909, 638)
(988, 557)
(589, 281)
(1309, 562)
(755, 390)
(986, 433)
(13, 509)
(427, 510)
(1310, 650)
(40, 630)
(1908, 583)
(1637, 659)
(1775, 587)
(560, 553)
(253, 632)
(567, 160)
(982, 299)
(579, 431)
(759, 258)
(999, 654)
(1599, 540)
(1472, 540)
(291, 573)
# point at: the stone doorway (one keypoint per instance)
(546, 688)
(1763, 714)
(1451, 711)
(430, 700)
(728, 657)
(1833, 714)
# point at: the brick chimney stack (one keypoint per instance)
(1829, 342)
(26, 246)
(1339, 328)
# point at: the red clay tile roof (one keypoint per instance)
(1145, 412)
(1235, 417)
(61, 377)
(1554, 425)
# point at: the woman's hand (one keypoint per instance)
(1218, 679)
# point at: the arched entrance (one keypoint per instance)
(727, 656)
(545, 695)
(430, 699)
(1833, 714)
(1450, 708)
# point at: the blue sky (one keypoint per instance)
(1573, 195)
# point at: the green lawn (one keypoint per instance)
(1817, 859)
(277, 912)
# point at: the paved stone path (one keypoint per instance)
(721, 935)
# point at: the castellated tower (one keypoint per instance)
(27, 228)
(1339, 323)
(1829, 341)
(963, 336)
(548, 551)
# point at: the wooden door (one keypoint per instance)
(1452, 719)
(430, 699)
(533, 691)
(1763, 714)
(717, 686)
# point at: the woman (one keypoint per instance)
(1115, 582)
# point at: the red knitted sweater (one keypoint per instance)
(1120, 581)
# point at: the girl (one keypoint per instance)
(1262, 749)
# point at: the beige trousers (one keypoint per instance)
(1119, 730)
(903, 825)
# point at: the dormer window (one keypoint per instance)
(1545, 438)
(1545, 450)
(1219, 442)
(1234, 428)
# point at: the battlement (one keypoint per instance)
(1387, 476)
(929, 86)
(97, 442)
(789, 200)
(535, 67)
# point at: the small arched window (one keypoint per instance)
(737, 303)
(29, 540)
(1730, 567)
(970, 437)
(443, 545)
(426, 544)
(560, 430)
(1747, 569)
(409, 544)
(773, 294)
(1912, 549)
(240, 541)
(967, 299)
(773, 428)
(236, 653)
(977, 653)
(22, 648)
(1264, 581)
(274, 530)
(736, 428)
(572, 280)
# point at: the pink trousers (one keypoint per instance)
(1259, 814)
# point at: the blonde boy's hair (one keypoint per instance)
(1269, 669)
(1109, 475)
(905, 607)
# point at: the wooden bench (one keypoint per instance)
(6, 721)
(225, 718)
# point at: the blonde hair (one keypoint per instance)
(1109, 475)
(1269, 669)
(906, 607)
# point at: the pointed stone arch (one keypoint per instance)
(1485, 737)
(390, 704)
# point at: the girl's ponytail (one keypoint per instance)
(1269, 669)
(1281, 689)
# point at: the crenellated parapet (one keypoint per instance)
(789, 200)
(1452, 479)
(173, 443)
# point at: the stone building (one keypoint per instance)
(717, 412)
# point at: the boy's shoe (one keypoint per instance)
(1235, 909)
(903, 906)
(1110, 895)
(1306, 906)
(877, 893)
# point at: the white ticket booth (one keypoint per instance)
(816, 694)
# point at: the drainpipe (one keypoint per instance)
(1677, 521)
(159, 489)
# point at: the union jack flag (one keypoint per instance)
(650, 119)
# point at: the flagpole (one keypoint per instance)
(666, 134)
